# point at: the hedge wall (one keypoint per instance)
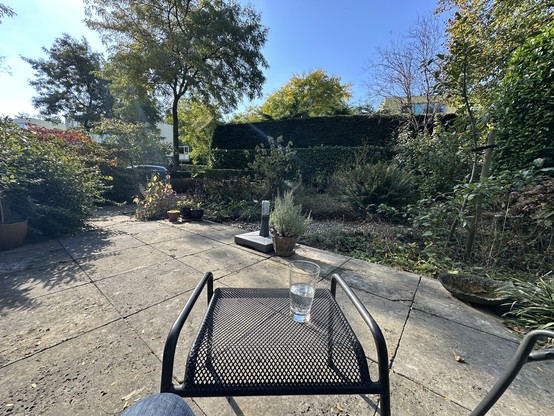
(346, 131)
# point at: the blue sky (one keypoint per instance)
(304, 35)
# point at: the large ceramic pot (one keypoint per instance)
(196, 214)
(284, 246)
(12, 235)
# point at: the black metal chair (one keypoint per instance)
(523, 355)
(247, 345)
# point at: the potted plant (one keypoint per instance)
(196, 212)
(287, 224)
(185, 207)
(173, 215)
(13, 230)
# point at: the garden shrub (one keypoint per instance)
(437, 160)
(274, 165)
(230, 159)
(158, 198)
(367, 186)
(60, 184)
(531, 303)
(525, 109)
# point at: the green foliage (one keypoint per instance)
(197, 123)
(310, 95)
(286, 218)
(53, 183)
(177, 49)
(67, 84)
(515, 233)
(317, 164)
(138, 143)
(230, 159)
(366, 185)
(158, 198)
(346, 131)
(525, 109)
(274, 165)
(437, 160)
(532, 304)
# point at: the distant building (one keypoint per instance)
(419, 105)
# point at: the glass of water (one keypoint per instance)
(303, 276)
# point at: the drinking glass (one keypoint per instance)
(303, 276)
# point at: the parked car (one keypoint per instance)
(148, 170)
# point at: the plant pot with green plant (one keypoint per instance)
(197, 212)
(173, 215)
(287, 223)
(185, 208)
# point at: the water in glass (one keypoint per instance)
(301, 298)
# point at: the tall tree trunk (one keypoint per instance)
(175, 117)
(485, 171)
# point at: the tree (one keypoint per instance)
(139, 143)
(487, 33)
(200, 120)
(205, 50)
(407, 69)
(67, 85)
(482, 37)
(310, 95)
(5, 11)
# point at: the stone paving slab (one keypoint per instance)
(379, 280)
(186, 245)
(32, 255)
(412, 399)
(51, 319)
(97, 242)
(106, 265)
(426, 355)
(97, 373)
(432, 298)
(222, 260)
(31, 283)
(157, 283)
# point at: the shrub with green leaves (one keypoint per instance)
(367, 186)
(525, 109)
(287, 219)
(436, 160)
(58, 186)
(158, 198)
(532, 303)
(274, 165)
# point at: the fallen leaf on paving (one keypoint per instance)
(126, 398)
(34, 385)
(340, 408)
(458, 357)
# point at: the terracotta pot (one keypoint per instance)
(12, 235)
(173, 216)
(284, 246)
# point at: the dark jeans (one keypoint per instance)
(161, 404)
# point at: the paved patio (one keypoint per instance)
(83, 321)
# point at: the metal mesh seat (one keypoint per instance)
(248, 345)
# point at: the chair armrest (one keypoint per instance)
(378, 338)
(524, 354)
(173, 336)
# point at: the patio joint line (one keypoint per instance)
(397, 347)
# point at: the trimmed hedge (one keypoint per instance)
(377, 130)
